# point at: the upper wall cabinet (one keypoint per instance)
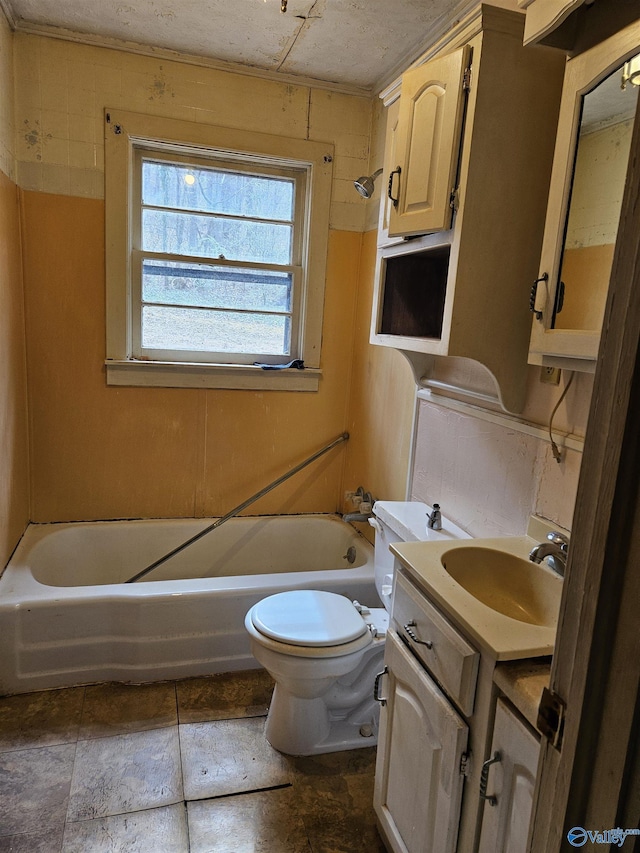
(545, 17)
(456, 282)
(599, 102)
(427, 145)
(575, 25)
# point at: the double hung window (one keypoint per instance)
(215, 256)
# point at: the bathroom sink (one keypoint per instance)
(508, 584)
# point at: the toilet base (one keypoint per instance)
(307, 727)
(344, 717)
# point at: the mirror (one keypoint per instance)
(599, 171)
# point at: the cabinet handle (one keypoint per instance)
(484, 778)
(409, 629)
(396, 171)
(376, 686)
(533, 294)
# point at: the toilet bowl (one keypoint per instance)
(324, 651)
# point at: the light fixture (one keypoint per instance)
(631, 72)
(364, 184)
(189, 178)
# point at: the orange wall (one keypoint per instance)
(381, 401)
(14, 482)
(112, 452)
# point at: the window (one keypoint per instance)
(216, 249)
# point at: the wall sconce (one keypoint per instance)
(364, 184)
(631, 72)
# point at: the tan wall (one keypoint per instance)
(103, 452)
(381, 401)
(14, 466)
(107, 452)
(14, 470)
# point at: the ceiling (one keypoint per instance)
(359, 44)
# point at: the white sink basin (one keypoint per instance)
(506, 583)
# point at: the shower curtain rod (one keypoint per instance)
(239, 508)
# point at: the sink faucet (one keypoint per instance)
(434, 519)
(554, 551)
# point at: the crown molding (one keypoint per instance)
(7, 9)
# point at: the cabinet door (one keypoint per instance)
(390, 162)
(511, 780)
(432, 99)
(418, 785)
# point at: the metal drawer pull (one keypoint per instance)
(376, 686)
(484, 778)
(394, 199)
(409, 629)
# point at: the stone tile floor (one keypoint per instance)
(173, 767)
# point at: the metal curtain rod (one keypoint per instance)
(239, 508)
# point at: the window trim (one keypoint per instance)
(124, 133)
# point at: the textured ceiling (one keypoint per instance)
(358, 43)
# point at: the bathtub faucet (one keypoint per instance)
(365, 502)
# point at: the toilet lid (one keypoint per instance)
(307, 617)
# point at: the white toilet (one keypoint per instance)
(323, 651)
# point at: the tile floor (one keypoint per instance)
(174, 767)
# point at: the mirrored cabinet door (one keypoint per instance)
(599, 104)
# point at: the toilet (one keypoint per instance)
(323, 651)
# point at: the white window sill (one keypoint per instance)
(168, 374)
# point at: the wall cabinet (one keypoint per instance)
(587, 184)
(423, 181)
(510, 775)
(390, 162)
(544, 17)
(469, 219)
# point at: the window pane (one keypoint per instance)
(214, 331)
(208, 236)
(215, 286)
(217, 191)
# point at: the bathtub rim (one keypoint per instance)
(19, 586)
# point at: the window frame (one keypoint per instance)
(127, 134)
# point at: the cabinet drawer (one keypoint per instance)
(444, 651)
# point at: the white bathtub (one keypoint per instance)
(67, 617)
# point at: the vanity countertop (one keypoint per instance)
(501, 637)
(522, 682)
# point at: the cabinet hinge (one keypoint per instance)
(453, 198)
(551, 714)
(465, 764)
(466, 79)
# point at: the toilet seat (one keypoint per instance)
(309, 618)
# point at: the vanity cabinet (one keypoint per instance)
(421, 751)
(468, 185)
(599, 102)
(437, 699)
(443, 716)
(510, 776)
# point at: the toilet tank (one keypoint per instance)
(402, 521)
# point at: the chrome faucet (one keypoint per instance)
(365, 506)
(554, 551)
(434, 519)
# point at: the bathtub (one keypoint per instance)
(68, 618)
